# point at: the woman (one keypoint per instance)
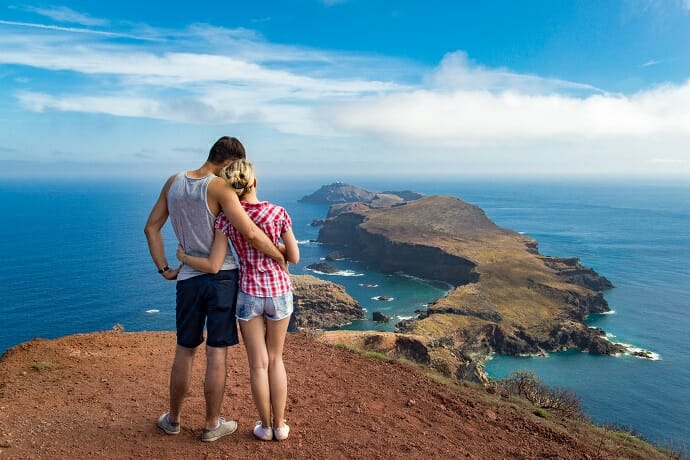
(264, 303)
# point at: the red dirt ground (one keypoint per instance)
(99, 395)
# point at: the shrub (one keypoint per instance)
(42, 366)
(442, 366)
(541, 413)
(554, 399)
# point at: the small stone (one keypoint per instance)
(23, 373)
(411, 403)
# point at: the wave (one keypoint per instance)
(308, 243)
(638, 352)
(632, 350)
(338, 273)
(369, 285)
(383, 298)
(152, 311)
(402, 318)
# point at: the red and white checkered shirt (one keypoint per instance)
(260, 275)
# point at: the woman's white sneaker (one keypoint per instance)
(282, 432)
(265, 434)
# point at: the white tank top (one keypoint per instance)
(193, 222)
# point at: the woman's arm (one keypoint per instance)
(291, 248)
(213, 262)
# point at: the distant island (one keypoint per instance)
(507, 298)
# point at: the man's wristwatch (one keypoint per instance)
(164, 269)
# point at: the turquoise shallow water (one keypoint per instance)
(75, 260)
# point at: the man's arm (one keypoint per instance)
(239, 219)
(211, 264)
(154, 235)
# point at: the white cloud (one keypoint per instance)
(215, 76)
(64, 14)
(457, 72)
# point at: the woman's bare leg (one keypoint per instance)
(254, 335)
(275, 340)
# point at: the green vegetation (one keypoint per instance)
(541, 413)
(42, 366)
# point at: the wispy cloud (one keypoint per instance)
(212, 75)
(64, 14)
(75, 30)
(651, 62)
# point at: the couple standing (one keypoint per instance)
(221, 195)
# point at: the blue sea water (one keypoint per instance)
(74, 259)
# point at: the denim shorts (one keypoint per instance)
(273, 308)
(207, 300)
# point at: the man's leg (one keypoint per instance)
(180, 376)
(214, 384)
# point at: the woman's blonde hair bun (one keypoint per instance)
(239, 175)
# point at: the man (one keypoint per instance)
(192, 200)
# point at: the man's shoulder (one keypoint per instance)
(218, 190)
(169, 182)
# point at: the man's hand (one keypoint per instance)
(180, 254)
(171, 275)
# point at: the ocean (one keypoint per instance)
(74, 259)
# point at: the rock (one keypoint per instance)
(321, 304)
(380, 317)
(383, 200)
(337, 209)
(472, 371)
(382, 298)
(317, 222)
(335, 255)
(642, 354)
(338, 192)
(407, 195)
(412, 349)
(322, 268)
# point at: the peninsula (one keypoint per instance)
(506, 297)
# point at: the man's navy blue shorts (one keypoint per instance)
(211, 300)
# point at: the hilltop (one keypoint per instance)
(98, 395)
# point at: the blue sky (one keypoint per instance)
(349, 87)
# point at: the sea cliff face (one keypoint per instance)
(507, 297)
(321, 304)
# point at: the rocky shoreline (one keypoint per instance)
(508, 298)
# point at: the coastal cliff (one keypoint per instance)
(506, 297)
(321, 304)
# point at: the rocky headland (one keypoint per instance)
(506, 297)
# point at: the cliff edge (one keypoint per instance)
(99, 395)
